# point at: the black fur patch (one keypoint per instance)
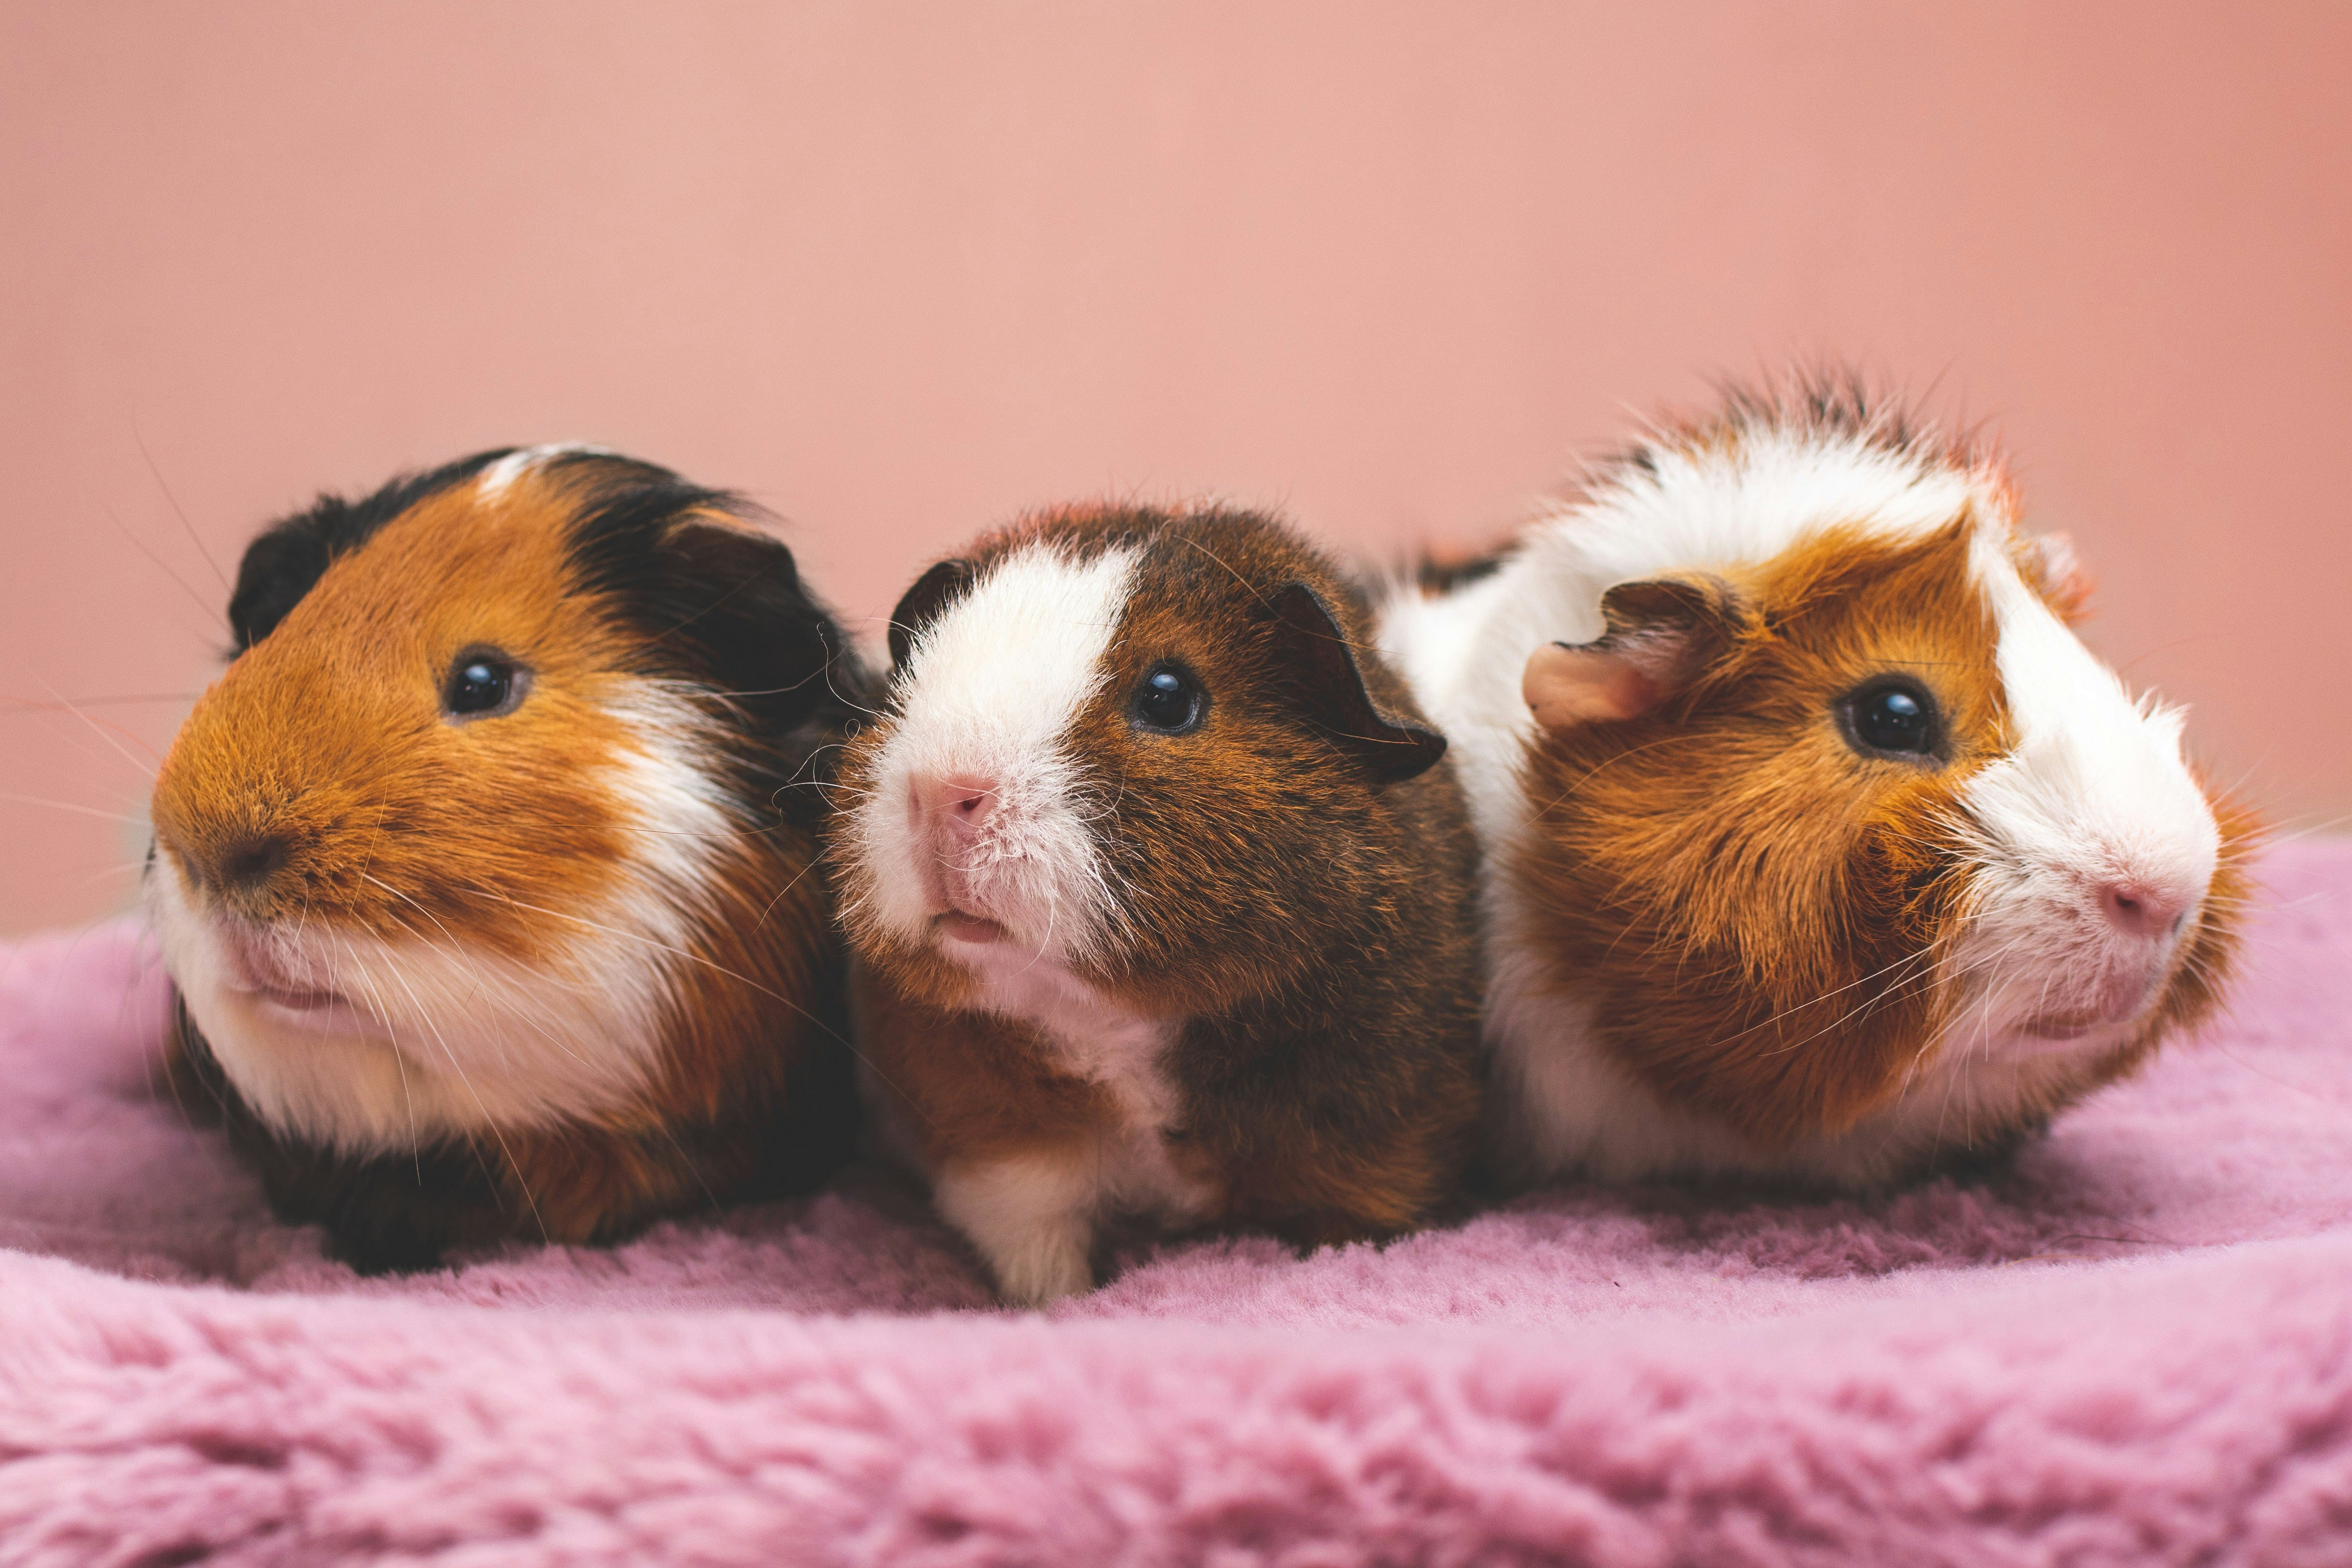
(934, 592)
(720, 604)
(398, 1214)
(1444, 576)
(295, 552)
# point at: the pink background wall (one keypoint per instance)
(900, 270)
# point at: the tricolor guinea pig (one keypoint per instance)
(1817, 846)
(1161, 897)
(488, 871)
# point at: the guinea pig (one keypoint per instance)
(1160, 896)
(488, 872)
(1817, 846)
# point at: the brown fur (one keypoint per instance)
(326, 735)
(1312, 926)
(1757, 913)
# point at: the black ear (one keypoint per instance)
(294, 552)
(727, 600)
(1314, 654)
(934, 592)
(278, 568)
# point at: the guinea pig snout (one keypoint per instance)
(956, 824)
(2134, 899)
(2126, 921)
(244, 863)
(249, 862)
(2142, 908)
(950, 812)
(2142, 913)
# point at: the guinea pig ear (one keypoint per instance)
(733, 596)
(934, 592)
(2056, 573)
(1313, 652)
(1661, 634)
(287, 561)
(278, 568)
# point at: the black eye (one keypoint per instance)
(1898, 718)
(1168, 700)
(482, 684)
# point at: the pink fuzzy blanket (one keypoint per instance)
(2135, 1345)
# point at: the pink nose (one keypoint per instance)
(2138, 910)
(958, 804)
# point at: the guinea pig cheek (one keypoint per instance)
(2096, 852)
(973, 836)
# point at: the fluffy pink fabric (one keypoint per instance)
(2134, 1345)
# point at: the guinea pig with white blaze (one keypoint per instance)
(1160, 896)
(1817, 846)
(488, 872)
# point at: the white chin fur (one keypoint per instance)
(1567, 1107)
(990, 689)
(2097, 787)
(440, 1040)
(1034, 1215)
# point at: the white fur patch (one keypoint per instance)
(453, 1041)
(1564, 1105)
(495, 480)
(1095, 1036)
(2097, 787)
(1034, 1216)
(2096, 793)
(1710, 506)
(1030, 1217)
(989, 689)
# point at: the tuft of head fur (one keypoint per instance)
(593, 913)
(1729, 935)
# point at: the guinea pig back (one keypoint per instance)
(488, 870)
(1817, 843)
(1160, 895)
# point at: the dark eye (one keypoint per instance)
(482, 685)
(1168, 700)
(1898, 718)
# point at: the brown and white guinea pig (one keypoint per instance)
(1817, 846)
(487, 872)
(1160, 895)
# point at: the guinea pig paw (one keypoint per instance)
(1043, 1271)
(1030, 1219)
